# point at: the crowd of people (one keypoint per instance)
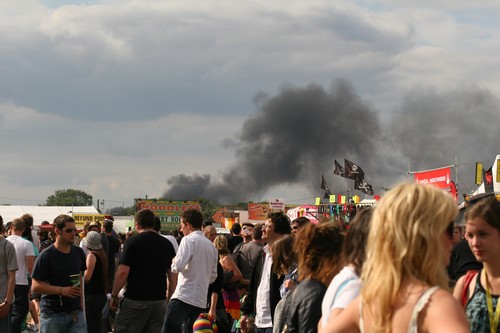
(400, 266)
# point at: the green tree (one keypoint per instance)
(69, 197)
(122, 211)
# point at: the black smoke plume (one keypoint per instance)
(295, 136)
(291, 139)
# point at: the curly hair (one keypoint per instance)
(319, 252)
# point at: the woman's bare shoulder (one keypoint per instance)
(444, 314)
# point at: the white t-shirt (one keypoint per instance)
(262, 302)
(173, 241)
(335, 298)
(24, 248)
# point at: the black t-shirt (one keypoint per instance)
(232, 241)
(149, 256)
(216, 287)
(462, 260)
(55, 267)
(114, 247)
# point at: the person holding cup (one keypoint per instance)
(57, 275)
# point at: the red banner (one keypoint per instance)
(440, 177)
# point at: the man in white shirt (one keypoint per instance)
(263, 293)
(25, 259)
(196, 263)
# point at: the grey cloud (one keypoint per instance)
(119, 63)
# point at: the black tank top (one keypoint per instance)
(96, 284)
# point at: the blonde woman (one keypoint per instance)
(405, 285)
(230, 291)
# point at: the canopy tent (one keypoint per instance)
(43, 213)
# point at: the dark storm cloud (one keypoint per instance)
(430, 129)
(294, 136)
(291, 139)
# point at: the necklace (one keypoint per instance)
(493, 317)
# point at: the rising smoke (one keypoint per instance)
(295, 135)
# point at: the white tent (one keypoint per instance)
(43, 213)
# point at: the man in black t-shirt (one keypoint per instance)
(145, 267)
(235, 238)
(57, 275)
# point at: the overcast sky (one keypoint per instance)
(128, 98)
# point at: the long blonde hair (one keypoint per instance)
(221, 244)
(405, 241)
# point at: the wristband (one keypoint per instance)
(60, 291)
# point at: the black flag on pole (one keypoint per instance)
(324, 186)
(339, 169)
(352, 170)
(362, 185)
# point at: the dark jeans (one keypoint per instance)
(180, 317)
(94, 303)
(264, 330)
(21, 307)
(5, 325)
(63, 322)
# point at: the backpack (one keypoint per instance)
(467, 280)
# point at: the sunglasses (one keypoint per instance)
(69, 230)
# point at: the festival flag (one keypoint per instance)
(362, 185)
(352, 170)
(479, 173)
(324, 186)
(339, 169)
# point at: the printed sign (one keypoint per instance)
(81, 219)
(440, 177)
(169, 212)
